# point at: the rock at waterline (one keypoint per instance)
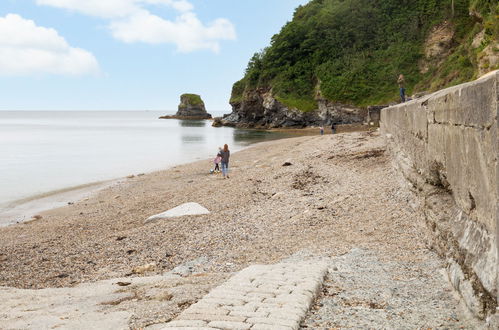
(179, 211)
(191, 107)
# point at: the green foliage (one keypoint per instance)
(192, 99)
(355, 49)
(237, 91)
(297, 103)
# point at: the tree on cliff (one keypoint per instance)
(353, 50)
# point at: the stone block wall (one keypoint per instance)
(446, 147)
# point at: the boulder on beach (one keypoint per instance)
(191, 107)
(179, 211)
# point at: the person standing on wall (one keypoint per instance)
(333, 128)
(225, 154)
(401, 82)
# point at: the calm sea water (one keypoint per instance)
(42, 151)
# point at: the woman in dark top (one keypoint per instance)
(225, 154)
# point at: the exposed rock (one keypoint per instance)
(217, 122)
(437, 46)
(488, 59)
(191, 107)
(190, 267)
(145, 268)
(260, 109)
(373, 114)
(478, 39)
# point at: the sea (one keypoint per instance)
(48, 151)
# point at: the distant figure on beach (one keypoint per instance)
(322, 130)
(401, 82)
(225, 154)
(333, 128)
(217, 160)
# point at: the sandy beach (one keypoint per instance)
(318, 195)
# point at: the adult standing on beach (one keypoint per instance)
(225, 154)
(401, 82)
(333, 128)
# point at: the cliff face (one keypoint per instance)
(352, 51)
(260, 109)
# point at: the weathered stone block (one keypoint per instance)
(230, 325)
(467, 104)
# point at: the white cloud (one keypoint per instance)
(131, 22)
(187, 31)
(113, 8)
(26, 48)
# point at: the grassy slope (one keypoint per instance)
(353, 50)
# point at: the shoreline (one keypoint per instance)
(25, 209)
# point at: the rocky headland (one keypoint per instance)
(191, 107)
(259, 108)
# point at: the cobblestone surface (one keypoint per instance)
(259, 297)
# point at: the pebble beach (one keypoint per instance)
(305, 197)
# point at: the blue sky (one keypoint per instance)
(129, 54)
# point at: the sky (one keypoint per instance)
(130, 54)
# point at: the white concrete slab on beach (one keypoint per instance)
(179, 211)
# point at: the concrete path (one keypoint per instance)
(259, 297)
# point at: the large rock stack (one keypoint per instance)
(191, 107)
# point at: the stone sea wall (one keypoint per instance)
(445, 145)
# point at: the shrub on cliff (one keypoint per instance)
(353, 50)
(191, 99)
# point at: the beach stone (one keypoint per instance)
(179, 211)
(254, 299)
(190, 267)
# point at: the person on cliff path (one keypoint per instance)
(217, 161)
(225, 154)
(333, 128)
(322, 130)
(401, 82)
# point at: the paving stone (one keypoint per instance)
(206, 310)
(249, 314)
(230, 325)
(225, 301)
(246, 308)
(210, 317)
(273, 321)
(259, 297)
